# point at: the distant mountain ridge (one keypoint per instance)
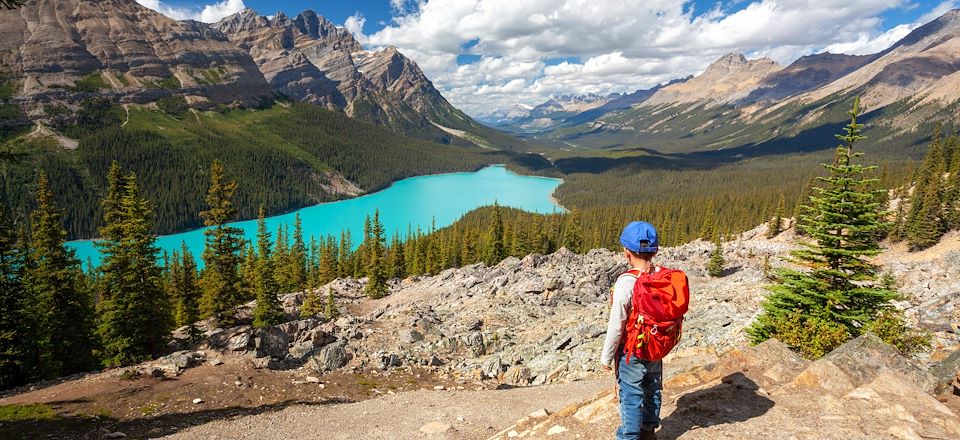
(309, 58)
(47, 47)
(741, 103)
(55, 54)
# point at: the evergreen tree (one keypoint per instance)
(62, 304)
(839, 291)
(268, 310)
(134, 310)
(716, 264)
(573, 234)
(953, 186)
(248, 272)
(776, 224)
(925, 224)
(18, 354)
(297, 264)
(397, 258)
(375, 255)
(330, 311)
(311, 305)
(803, 204)
(495, 250)
(328, 262)
(343, 260)
(709, 227)
(220, 279)
(185, 289)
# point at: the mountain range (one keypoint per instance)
(58, 53)
(755, 105)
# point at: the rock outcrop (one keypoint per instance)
(64, 51)
(309, 58)
(761, 392)
(542, 319)
(726, 81)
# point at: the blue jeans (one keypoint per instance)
(640, 383)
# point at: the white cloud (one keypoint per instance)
(616, 45)
(208, 13)
(354, 24)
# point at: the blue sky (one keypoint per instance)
(380, 12)
(488, 55)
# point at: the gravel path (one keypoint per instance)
(470, 414)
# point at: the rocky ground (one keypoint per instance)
(863, 390)
(532, 321)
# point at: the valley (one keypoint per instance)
(309, 228)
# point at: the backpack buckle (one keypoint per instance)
(653, 330)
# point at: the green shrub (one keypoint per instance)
(89, 84)
(9, 111)
(812, 338)
(174, 106)
(165, 83)
(6, 89)
(892, 328)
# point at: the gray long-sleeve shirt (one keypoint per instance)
(619, 313)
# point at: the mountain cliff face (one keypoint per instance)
(758, 106)
(805, 74)
(727, 80)
(308, 58)
(65, 50)
(55, 54)
(924, 65)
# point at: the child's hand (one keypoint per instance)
(605, 367)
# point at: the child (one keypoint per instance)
(638, 381)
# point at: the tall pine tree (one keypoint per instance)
(184, 289)
(776, 223)
(495, 249)
(220, 279)
(62, 304)
(268, 310)
(573, 234)
(925, 224)
(839, 289)
(18, 353)
(375, 256)
(134, 310)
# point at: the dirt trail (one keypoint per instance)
(469, 414)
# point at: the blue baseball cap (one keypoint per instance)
(640, 237)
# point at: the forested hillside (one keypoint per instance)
(286, 156)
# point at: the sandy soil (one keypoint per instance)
(469, 414)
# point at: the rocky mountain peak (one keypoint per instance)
(734, 62)
(732, 58)
(729, 79)
(309, 58)
(138, 54)
(944, 28)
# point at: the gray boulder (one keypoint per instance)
(330, 357)
(946, 372)
(231, 339)
(271, 342)
(410, 336)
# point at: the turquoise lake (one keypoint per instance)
(416, 201)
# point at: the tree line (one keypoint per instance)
(284, 156)
(57, 320)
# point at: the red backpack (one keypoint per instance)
(660, 300)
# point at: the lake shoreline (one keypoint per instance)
(553, 199)
(405, 205)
